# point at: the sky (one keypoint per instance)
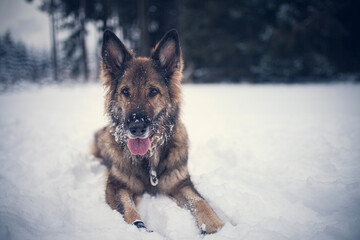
(31, 26)
(25, 22)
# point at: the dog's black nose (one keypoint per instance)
(137, 128)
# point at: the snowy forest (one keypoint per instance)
(223, 41)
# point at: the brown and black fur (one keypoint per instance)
(130, 84)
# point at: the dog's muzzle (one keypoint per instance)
(138, 132)
(138, 126)
(137, 129)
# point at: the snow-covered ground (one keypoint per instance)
(275, 162)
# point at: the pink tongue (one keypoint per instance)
(139, 146)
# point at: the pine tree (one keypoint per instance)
(19, 64)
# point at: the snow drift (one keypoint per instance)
(275, 162)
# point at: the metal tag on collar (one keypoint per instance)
(153, 177)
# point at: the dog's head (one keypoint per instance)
(143, 93)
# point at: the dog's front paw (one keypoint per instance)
(207, 220)
(211, 225)
(140, 225)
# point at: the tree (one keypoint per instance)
(19, 64)
(74, 19)
(229, 40)
(143, 25)
(51, 7)
(270, 40)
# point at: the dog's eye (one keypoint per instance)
(153, 92)
(125, 92)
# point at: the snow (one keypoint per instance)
(274, 161)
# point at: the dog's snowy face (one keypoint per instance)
(143, 92)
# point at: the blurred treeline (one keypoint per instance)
(17, 63)
(222, 40)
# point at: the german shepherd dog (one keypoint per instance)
(145, 145)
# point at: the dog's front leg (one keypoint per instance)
(122, 200)
(205, 216)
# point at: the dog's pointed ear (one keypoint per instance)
(167, 53)
(114, 54)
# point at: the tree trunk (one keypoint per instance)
(143, 25)
(53, 41)
(83, 40)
